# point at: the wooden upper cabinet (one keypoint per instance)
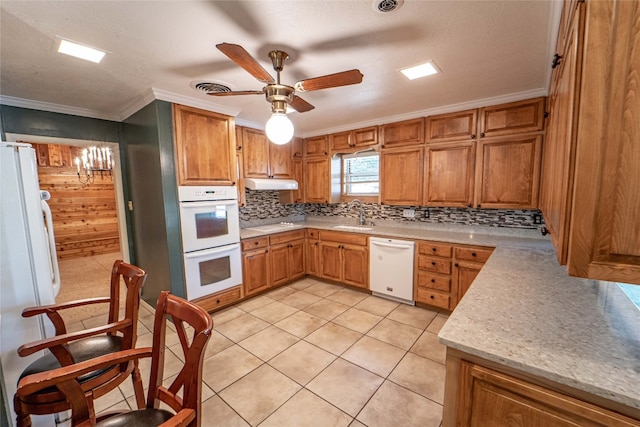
(401, 176)
(205, 147)
(297, 147)
(458, 126)
(317, 187)
(449, 174)
(408, 132)
(512, 118)
(316, 146)
(263, 159)
(294, 196)
(508, 172)
(354, 139)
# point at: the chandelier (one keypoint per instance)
(94, 160)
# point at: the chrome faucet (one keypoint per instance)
(361, 217)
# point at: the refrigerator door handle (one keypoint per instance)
(48, 221)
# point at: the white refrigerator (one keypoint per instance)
(28, 267)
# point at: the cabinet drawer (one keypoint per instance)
(434, 298)
(219, 299)
(312, 234)
(255, 243)
(286, 237)
(473, 254)
(341, 237)
(434, 281)
(436, 265)
(435, 249)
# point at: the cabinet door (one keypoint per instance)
(316, 180)
(256, 271)
(464, 273)
(316, 146)
(364, 137)
(401, 176)
(280, 161)
(340, 141)
(331, 260)
(312, 257)
(297, 145)
(449, 170)
(255, 147)
(512, 118)
(508, 172)
(458, 126)
(296, 259)
(355, 265)
(294, 196)
(205, 147)
(408, 132)
(559, 147)
(279, 264)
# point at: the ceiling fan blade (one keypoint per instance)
(237, 92)
(241, 57)
(331, 80)
(300, 105)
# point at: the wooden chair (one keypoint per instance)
(186, 409)
(65, 349)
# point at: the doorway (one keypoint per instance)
(88, 221)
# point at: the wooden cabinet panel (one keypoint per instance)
(508, 172)
(219, 299)
(205, 147)
(262, 159)
(342, 237)
(312, 257)
(437, 282)
(431, 297)
(473, 254)
(280, 161)
(452, 127)
(355, 263)
(401, 176)
(435, 249)
(316, 146)
(365, 136)
(297, 267)
(294, 196)
(317, 186)
(449, 174)
(436, 265)
(464, 273)
(255, 243)
(330, 260)
(256, 271)
(297, 148)
(408, 132)
(276, 239)
(340, 141)
(491, 398)
(512, 118)
(279, 264)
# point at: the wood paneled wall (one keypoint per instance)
(85, 220)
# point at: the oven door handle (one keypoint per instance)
(194, 205)
(214, 251)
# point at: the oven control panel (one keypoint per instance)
(200, 193)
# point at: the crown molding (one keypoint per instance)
(164, 95)
(451, 108)
(55, 108)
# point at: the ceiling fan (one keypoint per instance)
(278, 94)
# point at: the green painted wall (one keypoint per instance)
(147, 140)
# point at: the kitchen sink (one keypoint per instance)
(353, 227)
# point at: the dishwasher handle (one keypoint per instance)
(390, 245)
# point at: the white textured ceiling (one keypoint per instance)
(485, 49)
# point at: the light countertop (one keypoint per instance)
(525, 312)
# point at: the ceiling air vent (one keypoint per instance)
(386, 6)
(210, 87)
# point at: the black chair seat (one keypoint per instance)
(139, 418)
(81, 350)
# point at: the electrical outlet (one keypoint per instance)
(409, 213)
(537, 218)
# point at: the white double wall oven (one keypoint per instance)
(210, 226)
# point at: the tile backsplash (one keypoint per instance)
(262, 205)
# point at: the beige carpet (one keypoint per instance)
(86, 277)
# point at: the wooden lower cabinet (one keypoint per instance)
(480, 396)
(220, 299)
(312, 253)
(287, 262)
(256, 271)
(444, 272)
(344, 257)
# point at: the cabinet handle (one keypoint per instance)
(473, 136)
(478, 205)
(325, 153)
(433, 263)
(473, 254)
(544, 231)
(456, 265)
(469, 205)
(434, 249)
(217, 301)
(481, 134)
(239, 147)
(433, 280)
(556, 60)
(256, 243)
(431, 296)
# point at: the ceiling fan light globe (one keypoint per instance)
(279, 129)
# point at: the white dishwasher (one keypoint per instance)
(391, 269)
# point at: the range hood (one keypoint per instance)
(270, 184)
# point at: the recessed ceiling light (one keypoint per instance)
(80, 51)
(421, 70)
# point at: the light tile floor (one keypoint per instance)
(311, 354)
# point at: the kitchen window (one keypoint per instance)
(361, 174)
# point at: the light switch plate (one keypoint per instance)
(409, 213)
